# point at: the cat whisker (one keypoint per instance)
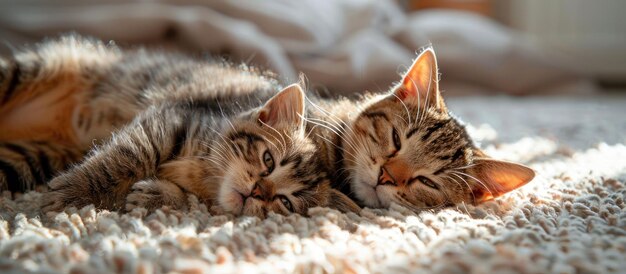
(418, 117)
(463, 167)
(217, 162)
(207, 145)
(220, 149)
(465, 207)
(336, 146)
(281, 150)
(449, 177)
(330, 115)
(467, 184)
(284, 141)
(404, 120)
(337, 122)
(453, 180)
(227, 140)
(477, 180)
(408, 114)
(224, 115)
(220, 153)
(332, 130)
(363, 143)
(421, 109)
(308, 134)
(356, 143)
(222, 156)
(426, 107)
(335, 126)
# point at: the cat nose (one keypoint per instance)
(262, 190)
(256, 192)
(395, 172)
(385, 178)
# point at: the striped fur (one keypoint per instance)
(26, 164)
(152, 127)
(405, 147)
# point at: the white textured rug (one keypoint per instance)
(570, 219)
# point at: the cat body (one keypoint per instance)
(405, 147)
(153, 127)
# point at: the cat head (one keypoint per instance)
(269, 164)
(405, 147)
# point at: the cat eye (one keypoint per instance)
(427, 182)
(268, 160)
(396, 139)
(283, 199)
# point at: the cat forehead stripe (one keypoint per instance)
(430, 130)
(307, 189)
(376, 114)
(412, 131)
(250, 137)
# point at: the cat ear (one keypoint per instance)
(420, 85)
(341, 202)
(285, 109)
(497, 178)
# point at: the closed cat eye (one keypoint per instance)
(283, 199)
(268, 160)
(396, 139)
(426, 181)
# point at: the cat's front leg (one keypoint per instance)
(68, 189)
(102, 179)
(133, 154)
(153, 194)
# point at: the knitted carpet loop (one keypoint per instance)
(570, 219)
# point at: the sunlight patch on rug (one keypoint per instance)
(570, 219)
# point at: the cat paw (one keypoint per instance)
(143, 195)
(53, 201)
(60, 195)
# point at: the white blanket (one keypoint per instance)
(343, 46)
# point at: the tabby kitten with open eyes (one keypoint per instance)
(405, 147)
(154, 127)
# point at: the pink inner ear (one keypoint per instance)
(420, 84)
(264, 116)
(403, 93)
(500, 177)
(284, 109)
(481, 195)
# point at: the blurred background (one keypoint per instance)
(531, 47)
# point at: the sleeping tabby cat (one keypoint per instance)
(405, 147)
(154, 127)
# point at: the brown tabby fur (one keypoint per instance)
(431, 163)
(154, 127)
